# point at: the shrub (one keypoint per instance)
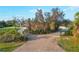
(41, 31)
(68, 33)
(10, 34)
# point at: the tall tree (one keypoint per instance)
(57, 17)
(47, 16)
(57, 14)
(39, 15)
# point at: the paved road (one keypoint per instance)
(41, 43)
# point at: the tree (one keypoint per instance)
(12, 22)
(39, 15)
(2, 24)
(76, 29)
(48, 21)
(57, 17)
(66, 22)
(29, 24)
(55, 14)
(47, 17)
(76, 21)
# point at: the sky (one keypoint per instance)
(8, 12)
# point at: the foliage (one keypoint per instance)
(68, 33)
(76, 21)
(45, 22)
(66, 23)
(2, 24)
(72, 44)
(10, 34)
(12, 23)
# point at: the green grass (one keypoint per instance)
(68, 45)
(8, 47)
(7, 29)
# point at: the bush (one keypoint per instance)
(10, 34)
(68, 33)
(41, 31)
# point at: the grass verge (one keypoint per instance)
(68, 45)
(8, 47)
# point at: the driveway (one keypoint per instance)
(41, 43)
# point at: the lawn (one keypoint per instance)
(10, 46)
(7, 29)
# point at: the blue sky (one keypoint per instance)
(7, 12)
